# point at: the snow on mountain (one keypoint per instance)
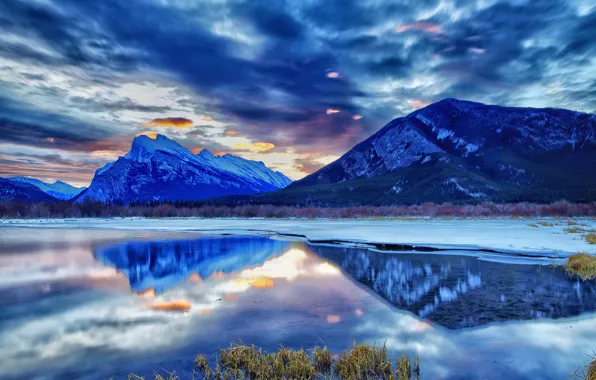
(15, 190)
(58, 189)
(161, 169)
(461, 151)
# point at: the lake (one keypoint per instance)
(97, 303)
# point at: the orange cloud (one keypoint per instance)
(333, 75)
(424, 26)
(151, 135)
(147, 293)
(208, 119)
(331, 111)
(108, 153)
(357, 117)
(417, 103)
(177, 305)
(232, 132)
(331, 318)
(195, 277)
(217, 274)
(175, 122)
(262, 283)
(196, 150)
(256, 147)
(50, 140)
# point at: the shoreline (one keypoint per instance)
(530, 237)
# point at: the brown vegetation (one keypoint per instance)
(588, 372)
(583, 265)
(248, 362)
(20, 209)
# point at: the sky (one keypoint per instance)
(292, 83)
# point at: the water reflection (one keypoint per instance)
(198, 295)
(154, 266)
(463, 291)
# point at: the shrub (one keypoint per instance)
(583, 265)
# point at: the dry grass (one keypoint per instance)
(583, 265)
(590, 238)
(362, 361)
(573, 230)
(588, 372)
(546, 224)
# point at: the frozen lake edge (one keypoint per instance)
(518, 237)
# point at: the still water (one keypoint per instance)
(96, 304)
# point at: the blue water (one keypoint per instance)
(84, 304)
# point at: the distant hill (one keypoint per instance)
(160, 169)
(461, 152)
(59, 190)
(14, 190)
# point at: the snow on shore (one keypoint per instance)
(518, 236)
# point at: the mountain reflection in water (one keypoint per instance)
(154, 266)
(465, 291)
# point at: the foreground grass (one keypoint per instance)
(248, 362)
(583, 265)
(588, 372)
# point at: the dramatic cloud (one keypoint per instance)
(175, 122)
(307, 77)
(425, 26)
(256, 147)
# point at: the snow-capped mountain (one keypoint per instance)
(14, 190)
(161, 169)
(460, 151)
(60, 190)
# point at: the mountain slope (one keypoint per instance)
(460, 151)
(161, 169)
(60, 190)
(13, 190)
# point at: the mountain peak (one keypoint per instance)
(144, 146)
(206, 154)
(162, 169)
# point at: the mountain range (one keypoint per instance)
(16, 190)
(160, 169)
(35, 190)
(461, 152)
(58, 189)
(450, 151)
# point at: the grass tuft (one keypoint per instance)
(590, 238)
(583, 265)
(588, 372)
(546, 224)
(322, 360)
(362, 361)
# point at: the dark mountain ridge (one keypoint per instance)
(460, 152)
